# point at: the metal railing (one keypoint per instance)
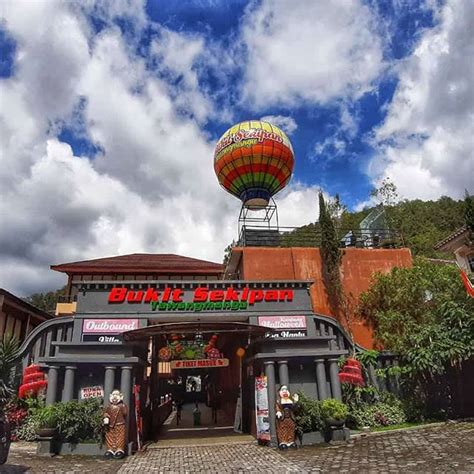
(310, 236)
(67, 299)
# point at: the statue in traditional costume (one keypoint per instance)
(115, 419)
(286, 423)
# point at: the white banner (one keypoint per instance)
(92, 392)
(261, 409)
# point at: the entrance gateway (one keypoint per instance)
(210, 343)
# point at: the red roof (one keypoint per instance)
(145, 263)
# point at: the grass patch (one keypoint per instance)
(398, 427)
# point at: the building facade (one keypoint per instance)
(141, 321)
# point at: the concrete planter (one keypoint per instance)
(314, 437)
(50, 446)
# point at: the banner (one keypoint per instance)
(283, 322)
(199, 363)
(261, 407)
(92, 392)
(108, 326)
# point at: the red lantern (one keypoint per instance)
(351, 373)
(33, 381)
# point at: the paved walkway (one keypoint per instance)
(442, 448)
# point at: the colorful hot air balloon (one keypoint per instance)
(253, 161)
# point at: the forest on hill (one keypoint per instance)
(421, 224)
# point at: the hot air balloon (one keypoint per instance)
(253, 160)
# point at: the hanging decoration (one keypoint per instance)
(178, 348)
(351, 373)
(33, 382)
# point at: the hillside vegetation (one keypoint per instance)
(422, 224)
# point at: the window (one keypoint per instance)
(470, 262)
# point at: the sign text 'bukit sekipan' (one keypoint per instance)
(203, 299)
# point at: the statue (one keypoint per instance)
(286, 424)
(115, 419)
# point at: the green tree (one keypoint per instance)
(46, 301)
(228, 252)
(469, 211)
(386, 193)
(331, 255)
(424, 314)
(8, 379)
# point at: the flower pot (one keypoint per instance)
(46, 432)
(4, 440)
(335, 424)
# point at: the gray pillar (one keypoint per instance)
(335, 382)
(126, 385)
(321, 379)
(109, 382)
(270, 373)
(381, 378)
(373, 379)
(52, 385)
(283, 372)
(68, 392)
(388, 380)
(126, 389)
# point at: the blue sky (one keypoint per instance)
(111, 109)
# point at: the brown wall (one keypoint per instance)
(358, 266)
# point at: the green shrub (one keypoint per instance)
(27, 431)
(308, 415)
(332, 409)
(377, 414)
(76, 421)
(80, 421)
(47, 417)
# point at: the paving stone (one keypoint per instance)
(441, 448)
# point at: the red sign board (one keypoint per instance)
(283, 322)
(108, 326)
(199, 363)
(200, 295)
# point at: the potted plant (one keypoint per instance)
(308, 419)
(47, 421)
(334, 413)
(4, 438)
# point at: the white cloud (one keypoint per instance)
(152, 187)
(309, 51)
(298, 205)
(287, 124)
(426, 142)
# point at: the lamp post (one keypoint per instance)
(238, 415)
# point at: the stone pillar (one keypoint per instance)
(283, 372)
(270, 373)
(68, 391)
(126, 389)
(109, 382)
(52, 385)
(321, 379)
(388, 379)
(126, 385)
(335, 382)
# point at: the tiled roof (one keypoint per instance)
(143, 263)
(24, 305)
(455, 234)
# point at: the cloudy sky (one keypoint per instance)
(110, 109)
